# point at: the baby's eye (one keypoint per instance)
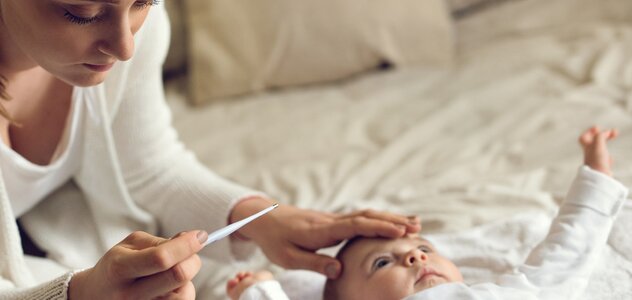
(425, 249)
(380, 263)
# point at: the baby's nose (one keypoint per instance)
(415, 255)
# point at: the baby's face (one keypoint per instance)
(393, 269)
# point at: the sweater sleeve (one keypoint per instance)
(162, 176)
(56, 289)
(264, 290)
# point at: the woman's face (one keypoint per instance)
(75, 40)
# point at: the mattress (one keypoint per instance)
(492, 137)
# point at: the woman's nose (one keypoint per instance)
(413, 256)
(119, 41)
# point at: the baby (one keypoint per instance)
(410, 267)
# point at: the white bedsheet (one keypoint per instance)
(493, 137)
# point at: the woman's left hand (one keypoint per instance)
(290, 236)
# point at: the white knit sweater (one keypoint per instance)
(134, 175)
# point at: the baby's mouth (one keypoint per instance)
(428, 277)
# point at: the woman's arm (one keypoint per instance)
(161, 175)
(166, 179)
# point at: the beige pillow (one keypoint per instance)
(240, 46)
(176, 59)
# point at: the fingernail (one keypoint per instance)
(331, 270)
(202, 236)
(413, 220)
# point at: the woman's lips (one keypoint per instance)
(99, 68)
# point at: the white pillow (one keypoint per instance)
(240, 46)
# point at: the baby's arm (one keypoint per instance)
(265, 287)
(596, 156)
(560, 266)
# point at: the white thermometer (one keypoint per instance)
(226, 231)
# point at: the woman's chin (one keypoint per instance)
(85, 80)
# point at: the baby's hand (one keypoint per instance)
(244, 280)
(596, 154)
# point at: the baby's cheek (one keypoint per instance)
(391, 287)
(453, 273)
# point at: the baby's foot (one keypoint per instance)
(594, 144)
(243, 280)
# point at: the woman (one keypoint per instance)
(87, 105)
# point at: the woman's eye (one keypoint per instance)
(80, 20)
(88, 20)
(380, 263)
(425, 249)
(143, 4)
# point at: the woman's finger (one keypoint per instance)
(412, 223)
(346, 228)
(138, 263)
(299, 259)
(139, 240)
(385, 216)
(184, 292)
(167, 281)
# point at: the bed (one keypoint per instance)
(470, 148)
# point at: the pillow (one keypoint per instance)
(241, 46)
(176, 59)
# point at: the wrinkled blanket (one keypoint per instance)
(490, 138)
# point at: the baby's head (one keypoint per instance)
(384, 269)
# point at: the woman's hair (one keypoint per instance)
(4, 97)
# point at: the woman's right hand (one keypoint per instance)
(143, 266)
